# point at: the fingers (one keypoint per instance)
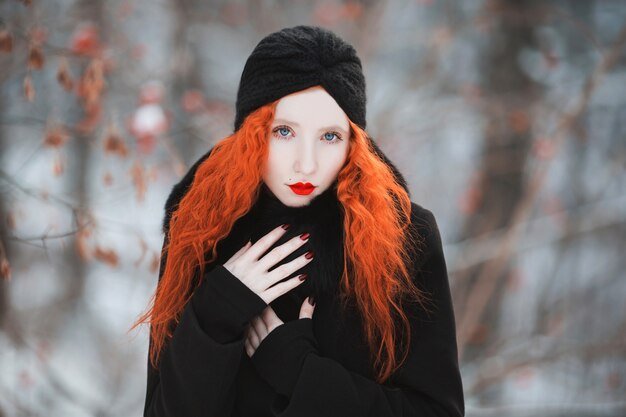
(283, 287)
(270, 318)
(258, 328)
(262, 325)
(252, 272)
(253, 335)
(307, 309)
(259, 325)
(281, 252)
(287, 269)
(249, 348)
(263, 244)
(250, 343)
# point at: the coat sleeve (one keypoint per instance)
(199, 364)
(427, 384)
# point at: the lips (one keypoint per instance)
(301, 188)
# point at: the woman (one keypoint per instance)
(297, 278)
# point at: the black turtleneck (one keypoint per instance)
(322, 218)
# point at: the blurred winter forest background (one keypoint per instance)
(507, 117)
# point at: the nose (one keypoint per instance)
(306, 158)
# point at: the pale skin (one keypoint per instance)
(309, 141)
(252, 271)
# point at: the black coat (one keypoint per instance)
(305, 367)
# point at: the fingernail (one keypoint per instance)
(285, 226)
(303, 276)
(304, 236)
(309, 254)
(312, 300)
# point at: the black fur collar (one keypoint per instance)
(322, 218)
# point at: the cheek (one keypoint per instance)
(335, 161)
(275, 165)
(274, 159)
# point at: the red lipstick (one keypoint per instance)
(301, 188)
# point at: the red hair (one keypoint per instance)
(376, 246)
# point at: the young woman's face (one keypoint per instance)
(309, 142)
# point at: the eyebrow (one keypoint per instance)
(335, 127)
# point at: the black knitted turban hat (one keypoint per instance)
(297, 58)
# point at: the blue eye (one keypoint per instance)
(327, 137)
(332, 134)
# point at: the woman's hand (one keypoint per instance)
(260, 326)
(252, 271)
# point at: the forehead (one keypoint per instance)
(311, 108)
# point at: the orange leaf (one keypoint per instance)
(91, 119)
(155, 263)
(29, 90)
(108, 256)
(35, 57)
(144, 249)
(6, 41)
(85, 40)
(81, 243)
(63, 75)
(352, 10)
(193, 101)
(91, 84)
(56, 136)
(5, 269)
(58, 166)
(146, 144)
(139, 180)
(107, 179)
(114, 143)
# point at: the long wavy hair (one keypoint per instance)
(377, 246)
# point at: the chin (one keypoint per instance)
(298, 200)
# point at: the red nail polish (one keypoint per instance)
(304, 276)
(312, 300)
(304, 236)
(285, 226)
(309, 254)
